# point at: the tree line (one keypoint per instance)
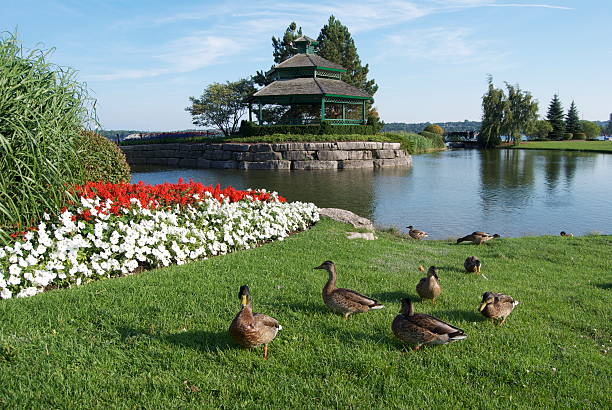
(513, 112)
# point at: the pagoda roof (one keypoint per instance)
(309, 60)
(310, 86)
(305, 38)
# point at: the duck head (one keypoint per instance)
(327, 265)
(407, 307)
(487, 297)
(244, 295)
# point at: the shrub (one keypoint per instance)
(591, 129)
(436, 139)
(580, 136)
(102, 160)
(250, 129)
(568, 136)
(434, 128)
(42, 109)
(416, 143)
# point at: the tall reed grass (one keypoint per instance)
(42, 110)
(416, 143)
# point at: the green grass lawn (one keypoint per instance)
(598, 146)
(159, 339)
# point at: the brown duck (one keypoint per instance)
(252, 329)
(429, 286)
(478, 237)
(421, 329)
(563, 233)
(415, 233)
(472, 264)
(497, 306)
(342, 300)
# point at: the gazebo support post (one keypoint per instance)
(363, 112)
(260, 115)
(322, 110)
(250, 112)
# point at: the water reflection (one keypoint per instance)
(511, 192)
(352, 189)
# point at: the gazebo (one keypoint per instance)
(312, 88)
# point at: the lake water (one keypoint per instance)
(448, 194)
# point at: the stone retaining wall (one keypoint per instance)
(287, 155)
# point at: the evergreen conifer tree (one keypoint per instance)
(572, 120)
(337, 45)
(556, 118)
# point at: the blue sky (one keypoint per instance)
(143, 59)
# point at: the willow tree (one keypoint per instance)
(493, 103)
(510, 115)
(520, 112)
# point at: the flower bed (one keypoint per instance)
(118, 228)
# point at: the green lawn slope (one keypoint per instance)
(159, 339)
(596, 146)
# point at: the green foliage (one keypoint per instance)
(567, 136)
(492, 116)
(42, 109)
(221, 105)
(510, 115)
(101, 159)
(159, 339)
(283, 49)
(539, 129)
(572, 120)
(434, 128)
(580, 136)
(591, 129)
(417, 144)
(250, 129)
(449, 126)
(373, 119)
(555, 117)
(337, 45)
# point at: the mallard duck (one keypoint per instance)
(415, 233)
(497, 306)
(429, 286)
(478, 237)
(472, 264)
(563, 233)
(341, 300)
(420, 329)
(252, 329)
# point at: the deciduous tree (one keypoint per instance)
(591, 129)
(221, 105)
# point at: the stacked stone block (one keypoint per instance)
(287, 155)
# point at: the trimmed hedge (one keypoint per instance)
(568, 136)
(250, 129)
(580, 136)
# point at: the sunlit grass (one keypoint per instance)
(159, 339)
(600, 146)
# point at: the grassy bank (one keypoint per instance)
(596, 146)
(412, 143)
(159, 339)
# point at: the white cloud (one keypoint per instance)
(179, 56)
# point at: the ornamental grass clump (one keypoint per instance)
(42, 110)
(116, 229)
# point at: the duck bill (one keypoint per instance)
(482, 306)
(319, 267)
(244, 300)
